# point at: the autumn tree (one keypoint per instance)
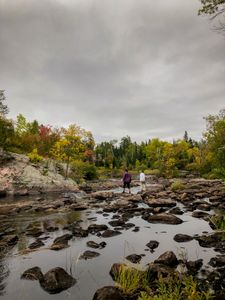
(71, 145)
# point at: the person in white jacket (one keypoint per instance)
(142, 181)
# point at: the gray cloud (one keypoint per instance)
(144, 68)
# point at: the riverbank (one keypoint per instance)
(86, 232)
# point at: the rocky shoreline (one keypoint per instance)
(158, 205)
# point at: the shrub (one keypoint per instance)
(35, 157)
(155, 172)
(130, 279)
(90, 172)
(177, 185)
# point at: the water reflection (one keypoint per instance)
(95, 272)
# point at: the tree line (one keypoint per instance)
(82, 157)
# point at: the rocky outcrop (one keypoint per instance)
(18, 176)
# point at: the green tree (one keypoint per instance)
(215, 138)
(3, 107)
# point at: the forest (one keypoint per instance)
(83, 158)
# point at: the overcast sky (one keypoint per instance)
(143, 68)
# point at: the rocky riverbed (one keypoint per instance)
(66, 243)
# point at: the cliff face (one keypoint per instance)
(18, 176)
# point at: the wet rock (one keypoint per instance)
(156, 270)
(117, 223)
(56, 280)
(152, 244)
(102, 195)
(61, 242)
(181, 238)
(176, 211)
(95, 245)
(89, 254)
(64, 238)
(116, 269)
(110, 209)
(199, 214)
(78, 207)
(10, 240)
(108, 293)
(168, 258)
(79, 232)
(134, 258)
(110, 233)
(135, 198)
(136, 229)
(34, 231)
(194, 266)
(204, 207)
(50, 226)
(161, 202)
(165, 218)
(128, 225)
(32, 274)
(36, 244)
(210, 240)
(93, 228)
(218, 261)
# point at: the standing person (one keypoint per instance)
(126, 180)
(142, 181)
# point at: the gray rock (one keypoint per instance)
(56, 280)
(108, 293)
(32, 274)
(165, 218)
(181, 238)
(152, 244)
(161, 202)
(134, 258)
(36, 244)
(89, 254)
(168, 258)
(110, 233)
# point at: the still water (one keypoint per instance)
(94, 273)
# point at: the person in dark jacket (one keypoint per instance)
(126, 180)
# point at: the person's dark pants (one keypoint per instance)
(126, 184)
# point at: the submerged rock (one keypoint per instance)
(61, 242)
(56, 280)
(161, 202)
(93, 228)
(89, 254)
(36, 244)
(134, 258)
(110, 233)
(165, 218)
(199, 214)
(181, 238)
(152, 244)
(32, 274)
(93, 244)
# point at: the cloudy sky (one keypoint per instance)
(142, 68)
